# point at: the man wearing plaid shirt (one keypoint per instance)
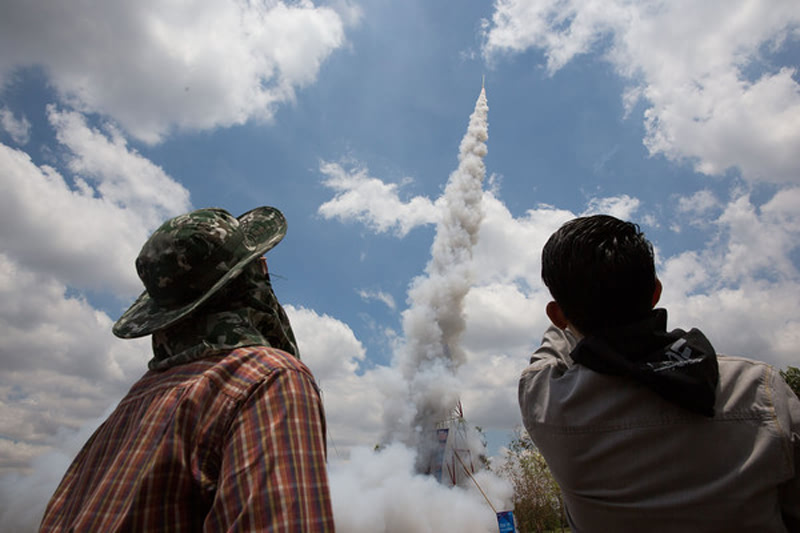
(226, 431)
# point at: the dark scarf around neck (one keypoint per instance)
(679, 366)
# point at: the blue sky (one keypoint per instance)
(347, 115)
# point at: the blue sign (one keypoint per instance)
(505, 520)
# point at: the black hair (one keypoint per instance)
(600, 270)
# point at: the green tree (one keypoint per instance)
(538, 506)
(792, 377)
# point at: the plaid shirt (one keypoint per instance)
(234, 442)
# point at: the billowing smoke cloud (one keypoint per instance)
(422, 388)
(380, 492)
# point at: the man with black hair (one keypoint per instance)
(646, 429)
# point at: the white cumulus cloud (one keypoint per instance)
(742, 287)
(86, 228)
(372, 201)
(61, 363)
(64, 235)
(379, 296)
(703, 69)
(155, 66)
(18, 128)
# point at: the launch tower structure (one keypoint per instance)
(452, 461)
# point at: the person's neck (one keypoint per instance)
(572, 329)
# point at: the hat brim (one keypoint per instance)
(263, 228)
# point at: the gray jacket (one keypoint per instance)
(628, 460)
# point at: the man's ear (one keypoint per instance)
(657, 292)
(556, 315)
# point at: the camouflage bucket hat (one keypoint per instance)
(191, 257)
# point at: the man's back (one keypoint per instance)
(230, 442)
(628, 460)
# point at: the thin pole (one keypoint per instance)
(474, 481)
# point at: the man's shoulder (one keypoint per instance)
(554, 350)
(737, 369)
(737, 360)
(261, 360)
(744, 381)
(235, 373)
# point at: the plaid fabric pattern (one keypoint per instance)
(229, 443)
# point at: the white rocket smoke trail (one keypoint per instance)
(421, 386)
(435, 321)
